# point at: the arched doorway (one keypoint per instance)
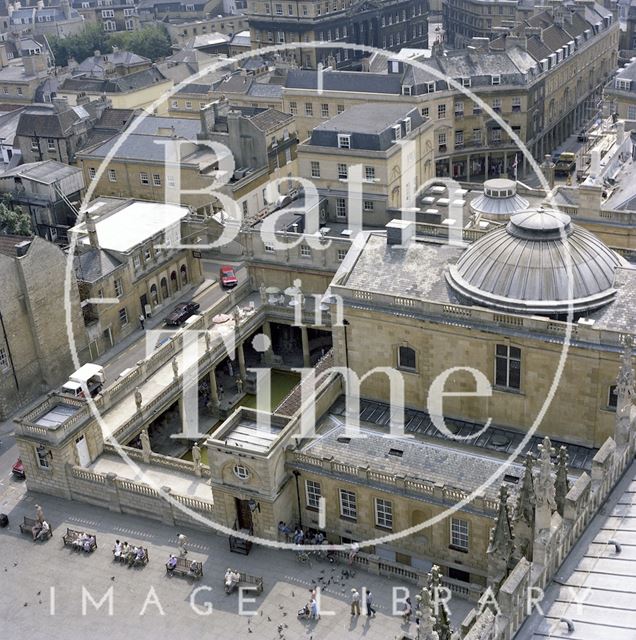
(164, 288)
(184, 275)
(174, 283)
(154, 295)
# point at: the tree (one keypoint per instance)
(16, 223)
(151, 42)
(80, 46)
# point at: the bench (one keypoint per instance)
(29, 523)
(132, 562)
(70, 537)
(254, 583)
(187, 568)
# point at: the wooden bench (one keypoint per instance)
(134, 562)
(253, 583)
(72, 535)
(187, 568)
(29, 523)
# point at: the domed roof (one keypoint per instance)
(523, 267)
(499, 199)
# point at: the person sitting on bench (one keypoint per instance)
(139, 556)
(89, 541)
(117, 549)
(78, 543)
(36, 529)
(45, 531)
(172, 563)
(194, 567)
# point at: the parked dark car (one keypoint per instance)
(228, 278)
(181, 313)
(18, 469)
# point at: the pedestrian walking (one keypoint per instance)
(355, 547)
(370, 609)
(182, 540)
(220, 391)
(142, 321)
(355, 602)
(313, 608)
(407, 611)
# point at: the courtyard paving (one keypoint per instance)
(42, 594)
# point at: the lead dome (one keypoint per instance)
(522, 267)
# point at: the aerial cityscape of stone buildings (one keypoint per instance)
(359, 267)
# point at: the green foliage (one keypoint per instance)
(151, 42)
(79, 46)
(14, 222)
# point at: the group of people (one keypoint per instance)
(231, 580)
(41, 530)
(355, 603)
(172, 562)
(311, 610)
(129, 554)
(84, 542)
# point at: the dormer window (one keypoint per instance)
(495, 80)
(397, 132)
(466, 82)
(623, 85)
(407, 125)
(406, 90)
(430, 87)
(344, 141)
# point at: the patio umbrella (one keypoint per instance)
(292, 291)
(272, 291)
(220, 318)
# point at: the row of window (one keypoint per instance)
(460, 139)
(383, 512)
(309, 109)
(343, 169)
(144, 177)
(305, 251)
(111, 25)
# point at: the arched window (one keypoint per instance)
(406, 358)
(174, 283)
(184, 275)
(154, 295)
(164, 288)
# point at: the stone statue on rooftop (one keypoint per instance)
(145, 446)
(138, 398)
(175, 368)
(208, 340)
(263, 293)
(196, 458)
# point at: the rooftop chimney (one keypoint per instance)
(92, 232)
(400, 233)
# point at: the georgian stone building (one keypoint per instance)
(389, 25)
(35, 354)
(545, 82)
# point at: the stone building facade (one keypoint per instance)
(35, 354)
(389, 25)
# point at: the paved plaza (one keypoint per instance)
(43, 582)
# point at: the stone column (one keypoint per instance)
(267, 331)
(305, 341)
(241, 360)
(468, 168)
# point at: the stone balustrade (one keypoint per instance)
(396, 484)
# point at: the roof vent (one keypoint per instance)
(22, 247)
(400, 233)
(343, 440)
(398, 453)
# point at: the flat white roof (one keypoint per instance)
(134, 224)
